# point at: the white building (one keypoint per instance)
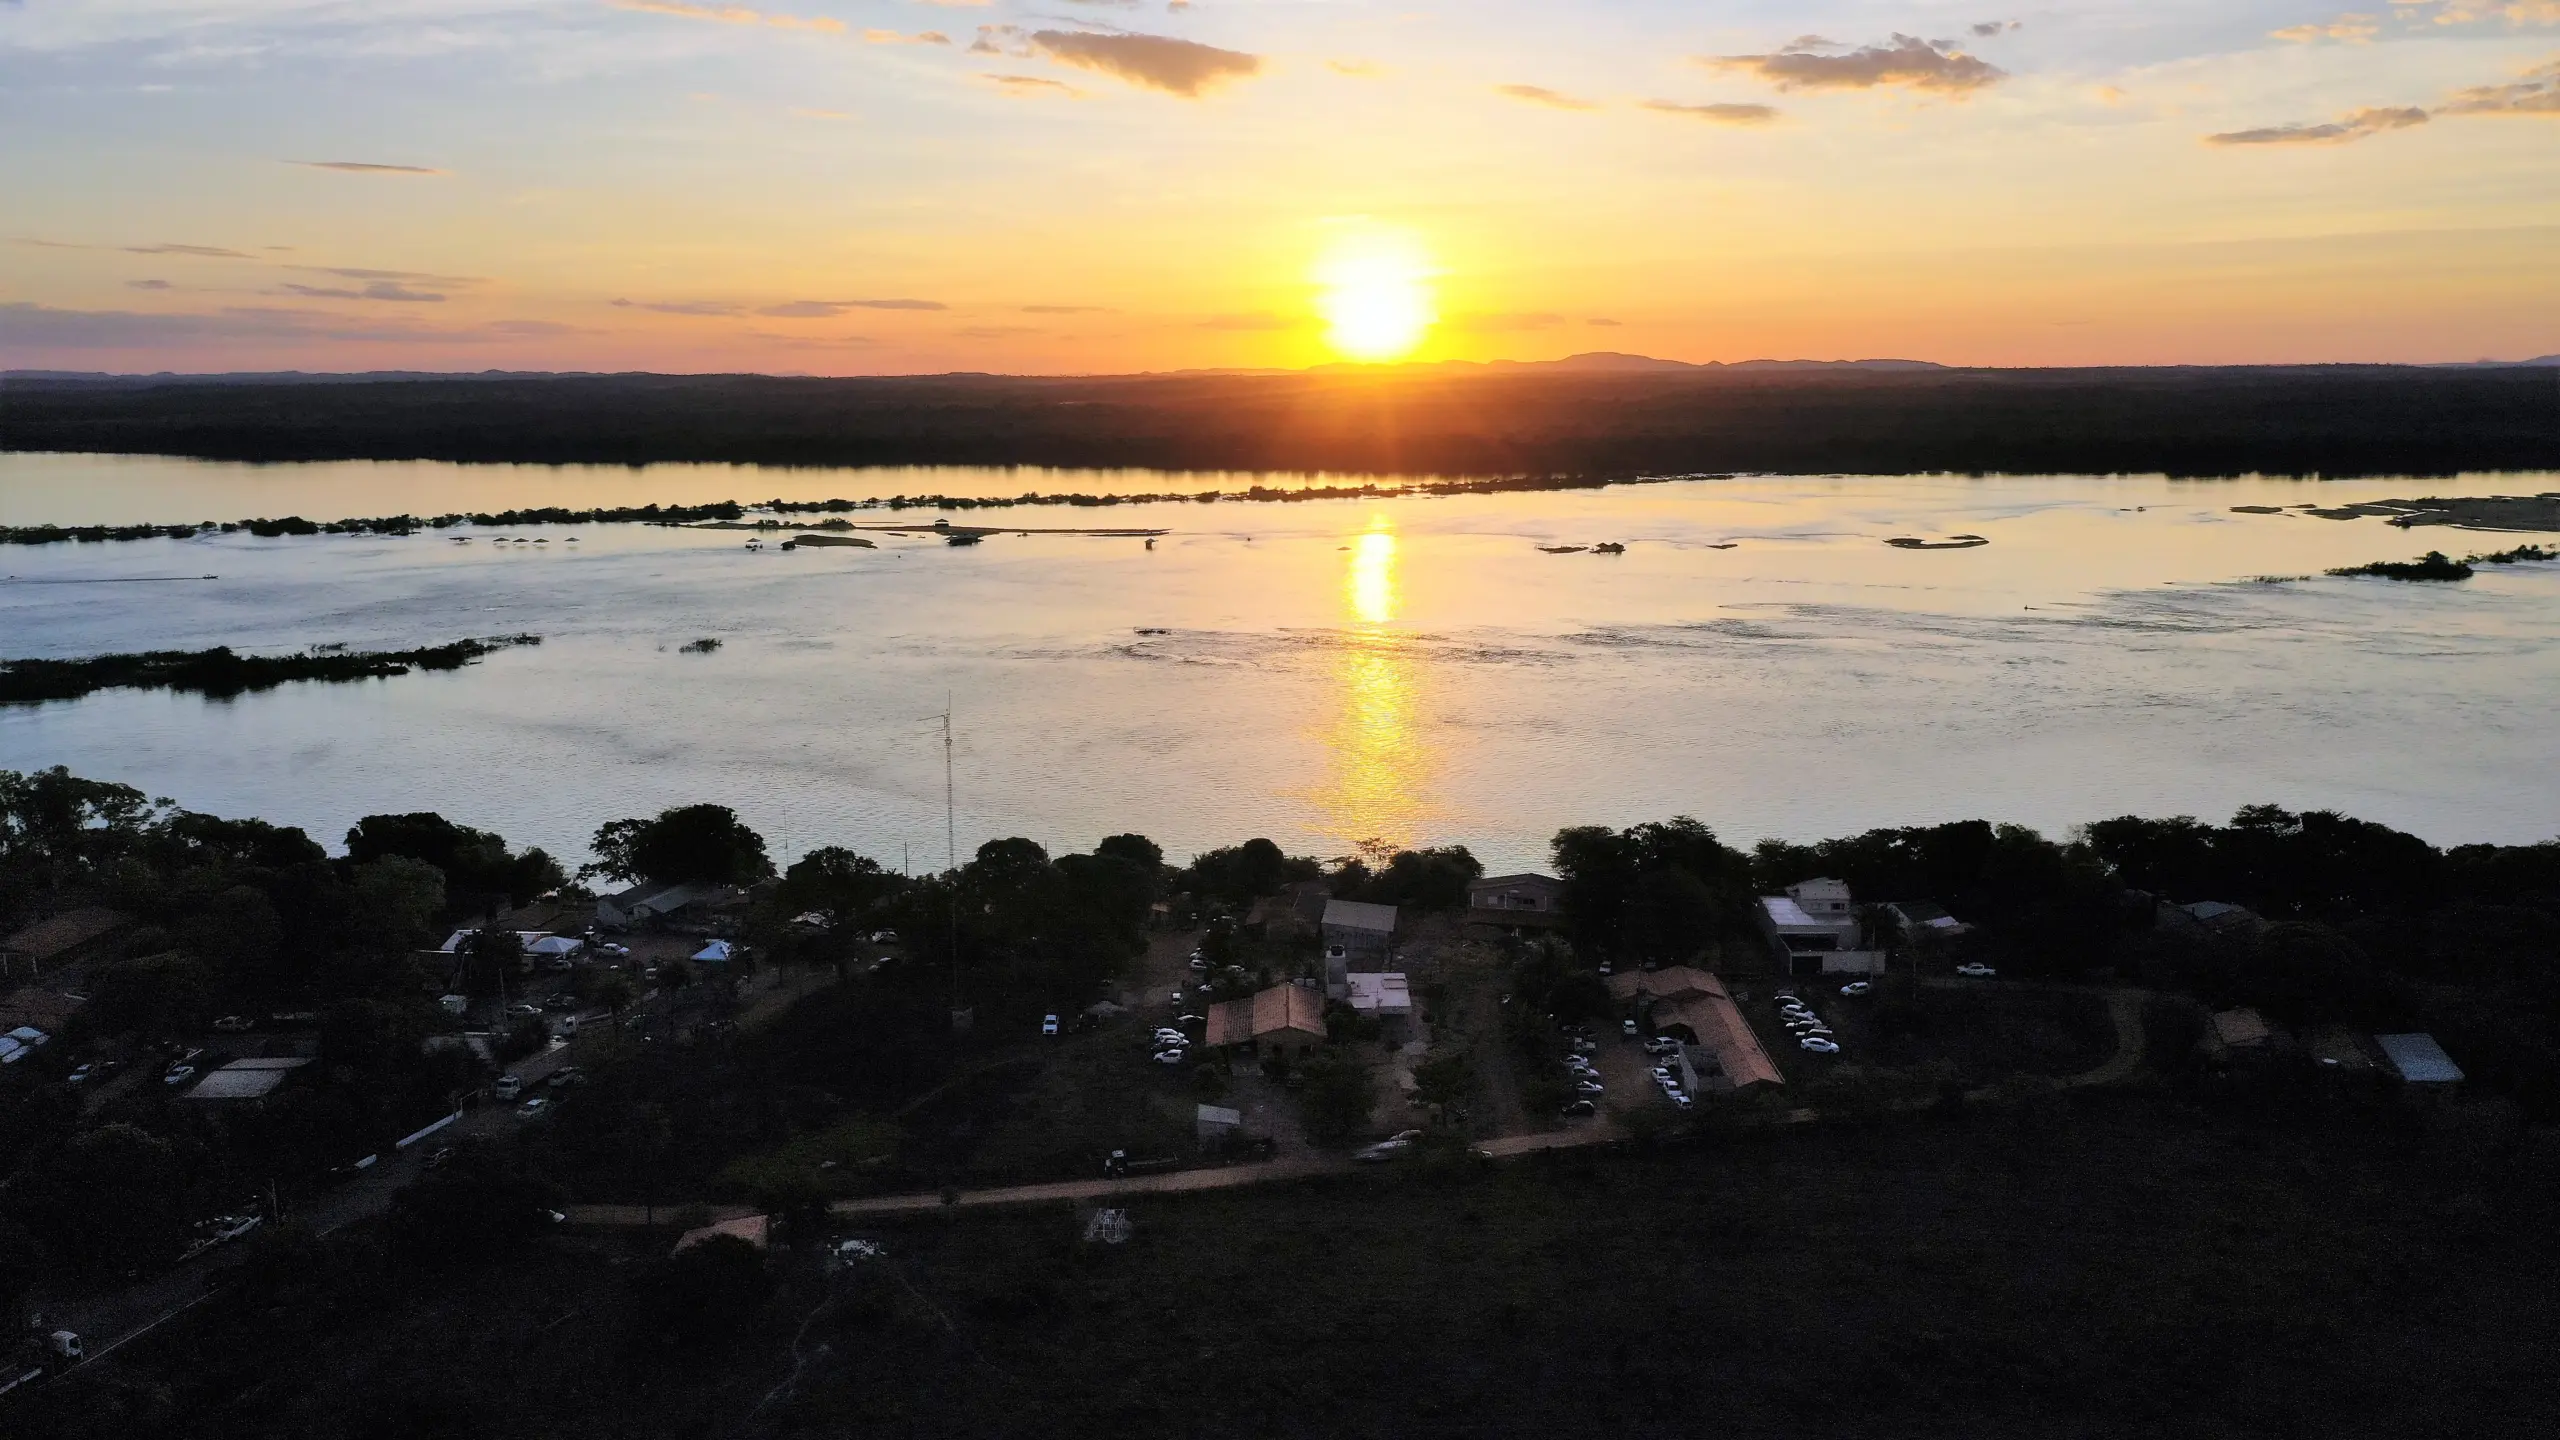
(1813, 929)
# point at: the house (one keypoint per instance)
(2242, 1029)
(1357, 936)
(2419, 1060)
(718, 952)
(1923, 918)
(1720, 1051)
(756, 1230)
(1813, 930)
(652, 901)
(59, 940)
(1516, 902)
(2210, 919)
(246, 1080)
(1385, 997)
(1214, 1123)
(1283, 1020)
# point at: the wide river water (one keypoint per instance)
(1409, 669)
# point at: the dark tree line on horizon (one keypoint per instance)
(2182, 421)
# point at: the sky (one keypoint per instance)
(1076, 186)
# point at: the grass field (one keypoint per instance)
(2095, 1267)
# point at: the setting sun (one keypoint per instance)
(1374, 291)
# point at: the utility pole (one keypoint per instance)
(951, 857)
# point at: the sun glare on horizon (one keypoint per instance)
(1373, 288)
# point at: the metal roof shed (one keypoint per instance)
(2419, 1059)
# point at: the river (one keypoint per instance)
(1407, 669)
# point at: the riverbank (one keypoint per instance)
(221, 672)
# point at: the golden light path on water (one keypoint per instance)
(1379, 767)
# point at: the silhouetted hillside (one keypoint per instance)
(2333, 420)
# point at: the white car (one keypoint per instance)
(179, 1075)
(533, 1107)
(1856, 987)
(1680, 1099)
(1589, 1087)
(1819, 1046)
(1662, 1072)
(1048, 1024)
(1170, 1057)
(1627, 1028)
(1976, 971)
(1664, 1046)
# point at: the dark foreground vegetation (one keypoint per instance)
(2261, 1249)
(2330, 420)
(222, 673)
(2118, 1267)
(2436, 565)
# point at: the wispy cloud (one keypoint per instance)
(2356, 125)
(365, 167)
(1032, 85)
(148, 284)
(378, 290)
(202, 252)
(892, 37)
(2352, 29)
(1068, 310)
(682, 307)
(829, 309)
(733, 15)
(1716, 114)
(2536, 93)
(1812, 63)
(1541, 95)
(1151, 62)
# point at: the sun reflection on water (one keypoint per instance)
(1379, 765)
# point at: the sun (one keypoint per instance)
(1373, 288)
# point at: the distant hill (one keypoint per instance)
(1588, 416)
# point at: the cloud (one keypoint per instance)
(1153, 62)
(1033, 85)
(31, 331)
(1356, 69)
(1988, 28)
(1068, 310)
(998, 332)
(1810, 62)
(682, 307)
(1603, 321)
(1541, 95)
(829, 309)
(536, 328)
(2355, 126)
(2353, 29)
(148, 284)
(731, 15)
(1716, 114)
(205, 252)
(378, 290)
(364, 167)
(420, 277)
(892, 37)
(2471, 12)
(1255, 320)
(2537, 93)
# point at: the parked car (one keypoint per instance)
(533, 1107)
(566, 1076)
(884, 937)
(507, 1087)
(1383, 1150)
(1663, 1045)
(1198, 964)
(1048, 1024)
(233, 1024)
(1190, 1019)
(1170, 1057)
(567, 1028)
(1662, 1073)
(1585, 1047)
(1856, 987)
(616, 951)
(1579, 1107)
(443, 1156)
(1681, 1099)
(1977, 971)
(1627, 1028)
(1589, 1087)
(179, 1075)
(1819, 1046)
(524, 1011)
(560, 1000)
(80, 1075)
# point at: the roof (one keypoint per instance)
(1824, 889)
(1786, 914)
(754, 1229)
(1515, 882)
(2240, 1027)
(529, 938)
(67, 931)
(715, 953)
(1669, 983)
(1280, 1008)
(1359, 915)
(246, 1079)
(556, 945)
(1219, 1115)
(2419, 1059)
(1385, 992)
(1722, 1031)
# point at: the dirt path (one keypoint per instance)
(2124, 1006)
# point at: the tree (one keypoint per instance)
(703, 844)
(837, 879)
(1338, 1096)
(702, 1299)
(488, 957)
(107, 1202)
(475, 864)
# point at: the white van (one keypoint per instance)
(508, 1087)
(567, 1029)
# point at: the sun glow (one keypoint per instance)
(1373, 288)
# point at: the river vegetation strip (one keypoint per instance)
(222, 672)
(2436, 565)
